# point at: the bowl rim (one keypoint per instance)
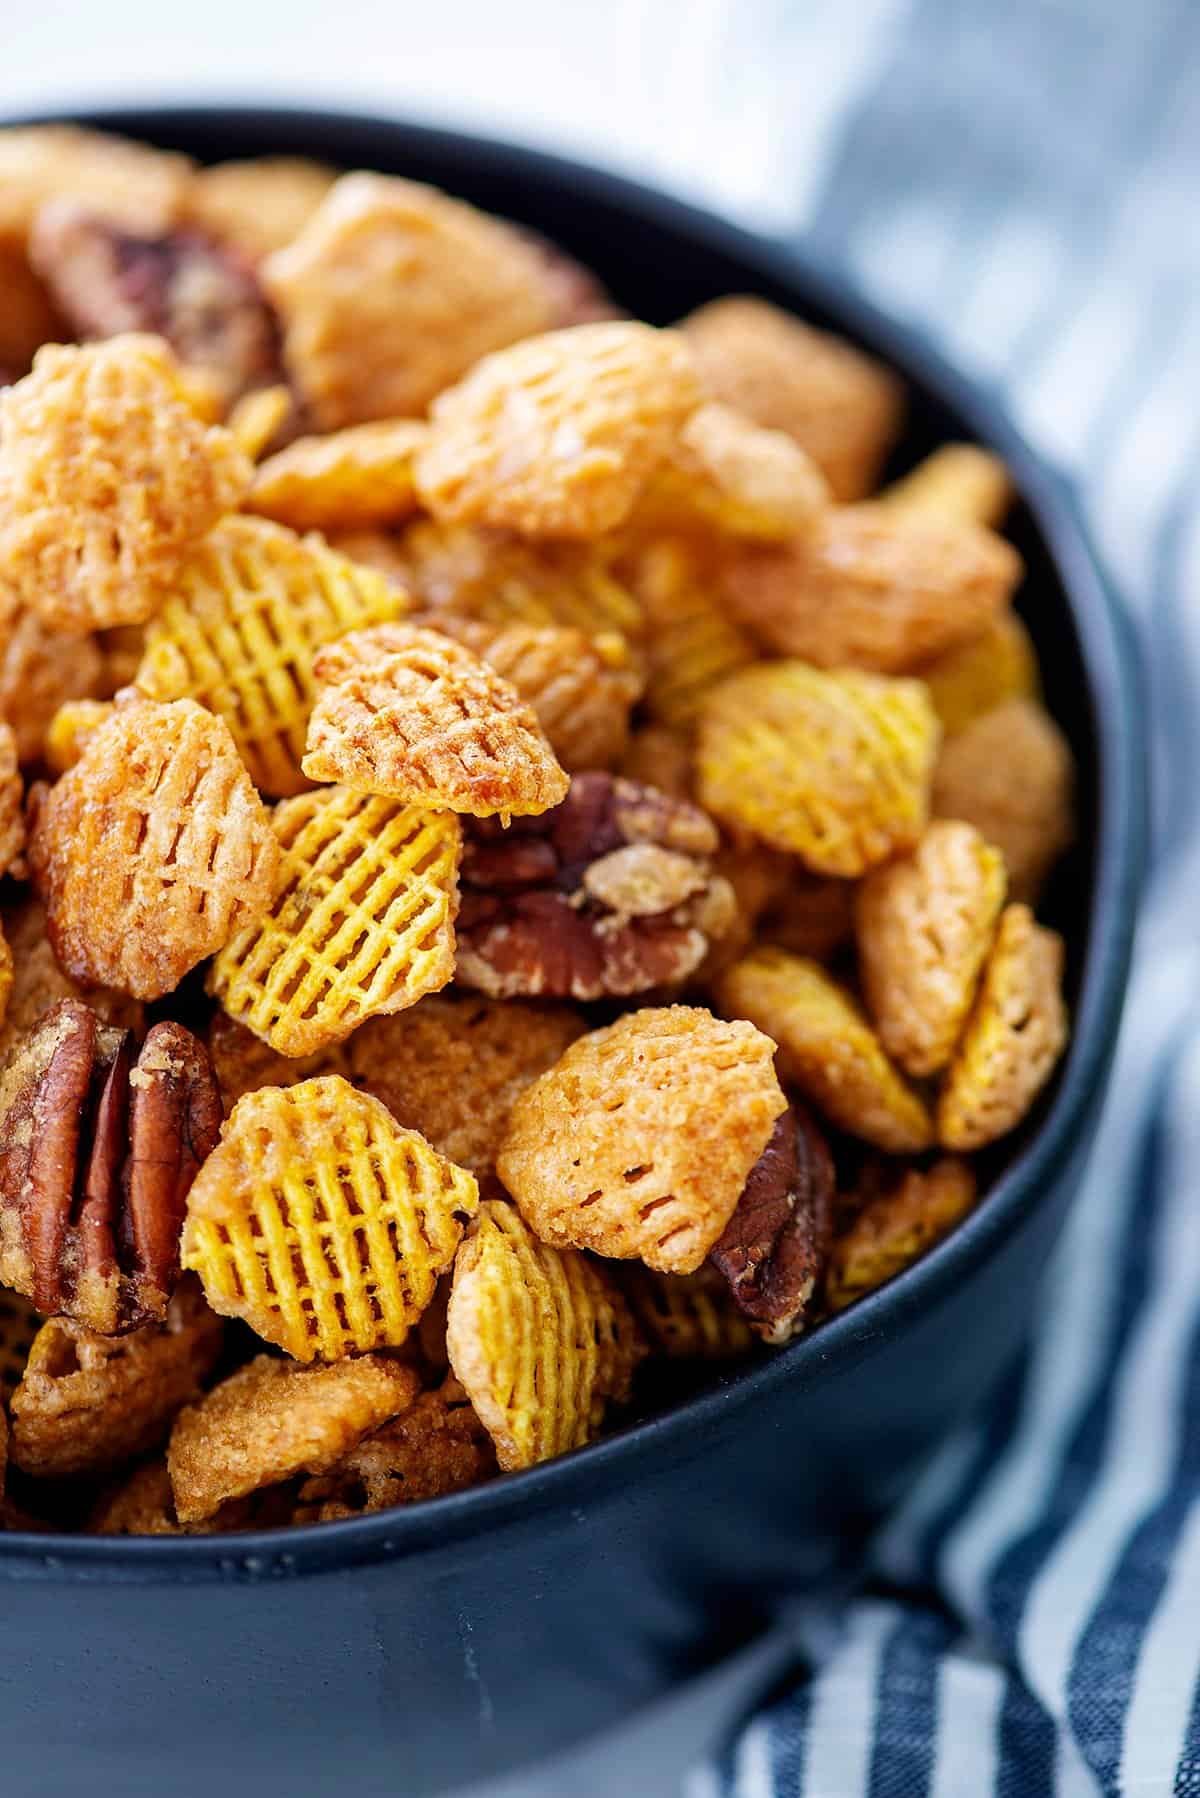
(1111, 660)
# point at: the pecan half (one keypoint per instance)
(774, 1247)
(201, 296)
(611, 892)
(97, 1153)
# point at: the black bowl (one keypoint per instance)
(407, 1651)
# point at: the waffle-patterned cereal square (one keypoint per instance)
(1013, 1038)
(687, 1317)
(322, 1222)
(582, 688)
(251, 608)
(86, 1403)
(827, 1048)
(834, 767)
(437, 1446)
(866, 587)
(639, 1142)
(407, 711)
(540, 1338)
(153, 850)
(109, 479)
(40, 669)
(362, 921)
(272, 1420)
(557, 436)
(391, 291)
(925, 926)
(260, 205)
(692, 641)
(1011, 774)
(350, 480)
(840, 405)
(896, 1227)
(727, 475)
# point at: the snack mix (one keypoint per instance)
(520, 856)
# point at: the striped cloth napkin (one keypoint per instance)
(1020, 180)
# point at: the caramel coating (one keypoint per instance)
(257, 206)
(687, 1317)
(125, 182)
(153, 850)
(959, 481)
(827, 1048)
(925, 926)
(391, 291)
(840, 405)
(540, 1338)
(692, 642)
(408, 712)
(39, 982)
(361, 923)
(143, 1504)
(110, 478)
(41, 669)
(729, 475)
(12, 800)
(998, 665)
(321, 1222)
(866, 587)
(271, 1420)
(1013, 1039)
(86, 1403)
(638, 1143)
(356, 478)
(896, 1227)
(437, 1446)
(1011, 774)
(581, 688)
(251, 609)
(835, 768)
(558, 435)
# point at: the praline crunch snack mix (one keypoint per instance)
(520, 857)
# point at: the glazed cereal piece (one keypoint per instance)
(391, 291)
(87, 1403)
(70, 729)
(957, 481)
(556, 437)
(692, 642)
(812, 915)
(260, 205)
(152, 851)
(406, 711)
(351, 480)
(729, 475)
(1013, 1039)
(840, 405)
(998, 665)
(827, 1048)
(453, 1066)
(610, 893)
(270, 1421)
(12, 797)
(639, 1142)
(1011, 774)
(243, 1063)
(258, 418)
(925, 926)
(143, 1504)
(687, 1317)
(869, 588)
(896, 1227)
(19, 1325)
(834, 768)
(39, 670)
(581, 688)
(251, 608)
(322, 1222)
(110, 478)
(362, 922)
(497, 578)
(39, 982)
(540, 1338)
(437, 1446)
(128, 182)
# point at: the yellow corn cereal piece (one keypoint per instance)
(257, 418)
(998, 665)
(362, 921)
(539, 1337)
(959, 480)
(827, 1048)
(351, 480)
(69, 730)
(321, 1222)
(639, 1141)
(1013, 1039)
(835, 768)
(896, 1227)
(925, 925)
(1011, 774)
(557, 436)
(692, 642)
(250, 610)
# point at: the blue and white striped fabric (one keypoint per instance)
(1021, 181)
